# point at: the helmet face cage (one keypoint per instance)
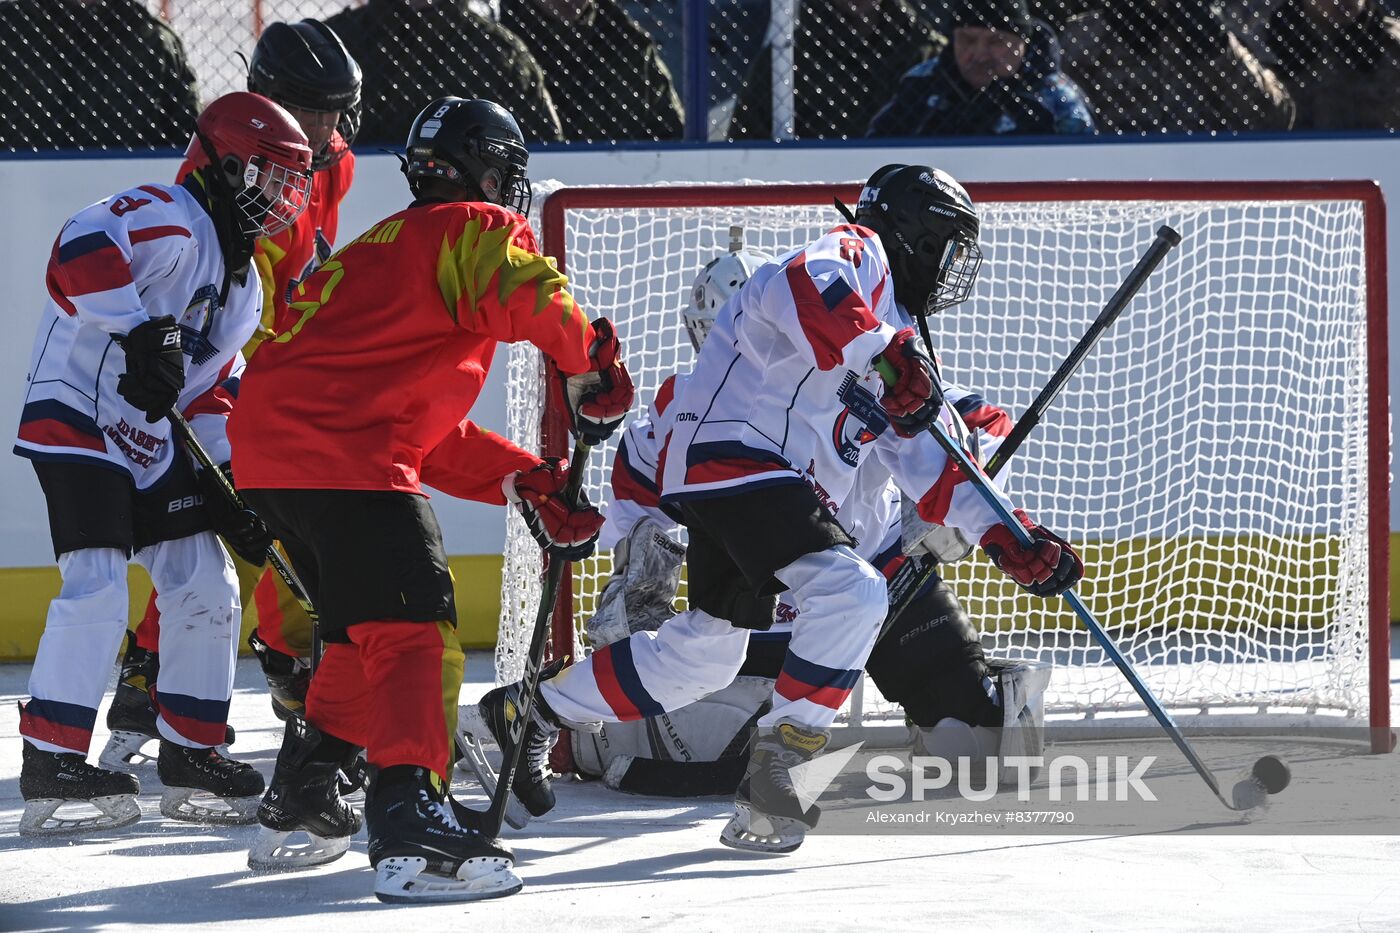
(957, 273)
(273, 196)
(719, 281)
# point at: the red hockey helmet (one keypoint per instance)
(265, 158)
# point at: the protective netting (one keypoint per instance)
(131, 74)
(1209, 459)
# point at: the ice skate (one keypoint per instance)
(419, 850)
(304, 821)
(288, 678)
(131, 718)
(531, 794)
(195, 778)
(50, 780)
(769, 817)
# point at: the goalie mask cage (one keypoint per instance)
(1221, 460)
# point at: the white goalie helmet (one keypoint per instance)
(717, 282)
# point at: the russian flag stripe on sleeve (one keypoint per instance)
(830, 318)
(156, 233)
(631, 484)
(980, 415)
(89, 263)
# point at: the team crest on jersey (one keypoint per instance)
(197, 322)
(859, 423)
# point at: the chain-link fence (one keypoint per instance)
(131, 74)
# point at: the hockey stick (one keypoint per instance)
(534, 662)
(1023, 537)
(274, 556)
(1165, 241)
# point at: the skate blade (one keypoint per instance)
(179, 803)
(271, 850)
(123, 752)
(40, 817)
(470, 725)
(406, 880)
(771, 835)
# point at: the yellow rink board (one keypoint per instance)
(25, 593)
(1243, 585)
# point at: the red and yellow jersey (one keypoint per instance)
(388, 344)
(285, 259)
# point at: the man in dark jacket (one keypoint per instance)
(92, 74)
(413, 51)
(603, 71)
(1340, 62)
(847, 57)
(1001, 76)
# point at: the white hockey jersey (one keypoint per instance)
(784, 390)
(147, 252)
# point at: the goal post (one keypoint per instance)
(1221, 460)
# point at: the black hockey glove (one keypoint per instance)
(155, 367)
(1047, 568)
(240, 528)
(566, 532)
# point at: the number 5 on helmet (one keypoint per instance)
(599, 399)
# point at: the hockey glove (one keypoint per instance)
(240, 528)
(155, 367)
(599, 399)
(566, 532)
(1047, 569)
(912, 394)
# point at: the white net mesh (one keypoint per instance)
(1209, 459)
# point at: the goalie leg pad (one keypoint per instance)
(931, 663)
(1022, 686)
(639, 595)
(713, 727)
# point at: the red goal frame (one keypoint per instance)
(557, 442)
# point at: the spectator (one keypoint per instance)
(603, 71)
(92, 74)
(1001, 77)
(1340, 60)
(847, 56)
(412, 51)
(1171, 66)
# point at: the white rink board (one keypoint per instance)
(610, 862)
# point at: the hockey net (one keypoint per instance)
(1220, 460)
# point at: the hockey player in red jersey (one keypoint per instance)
(787, 384)
(150, 299)
(341, 419)
(305, 68)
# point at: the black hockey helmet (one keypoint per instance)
(928, 226)
(305, 65)
(475, 144)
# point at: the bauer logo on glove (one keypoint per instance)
(568, 531)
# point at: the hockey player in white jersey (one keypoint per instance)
(786, 386)
(150, 299)
(929, 658)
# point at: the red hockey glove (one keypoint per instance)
(566, 532)
(599, 399)
(912, 394)
(1047, 569)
